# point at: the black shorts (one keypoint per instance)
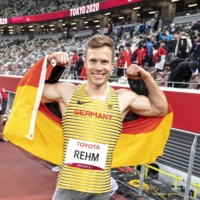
(4, 106)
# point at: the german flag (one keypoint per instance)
(142, 140)
(36, 129)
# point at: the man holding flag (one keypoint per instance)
(92, 116)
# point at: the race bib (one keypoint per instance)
(86, 155)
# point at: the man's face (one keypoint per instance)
(99, 65)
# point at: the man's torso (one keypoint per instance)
(95, 124)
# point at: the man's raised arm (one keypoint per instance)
(153, 105)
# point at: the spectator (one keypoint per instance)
(149, 45)
(142, 28)
(160, 35)
(153, 39)
(120, 33)
(73, 61)
(127, 59)
(79, 65)
(140, 54)
(148, 26)
(183, 47)
(141, 41)
(134, 55)
(156, 25)
(17, 42)
(196, 26)
(156, 16)
(161, 56)
(155, 50)
(83, 74)
(177, 28)
(171, 45)
(129, 50)
(145, 54)
(194, 39)
(172, 29)
(195, 51)
(131, 30)
(181, 72)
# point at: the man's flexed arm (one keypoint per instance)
(153, 105)
(59, 92)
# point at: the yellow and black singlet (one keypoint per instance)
(91, 125)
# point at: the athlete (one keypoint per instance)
(92, 115)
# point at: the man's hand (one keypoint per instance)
(60, 57)
(136, 72)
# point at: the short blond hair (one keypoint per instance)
(98, 41)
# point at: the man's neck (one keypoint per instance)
(97, 92)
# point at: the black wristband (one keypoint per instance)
(55, 74)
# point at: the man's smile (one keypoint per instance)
(98, 75)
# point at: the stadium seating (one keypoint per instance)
(16, 59)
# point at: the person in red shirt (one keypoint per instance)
(155, 50)
(129, 50)
(140, 54)
(145, 54)
(73, 61)
(161, 56)
(83, 74)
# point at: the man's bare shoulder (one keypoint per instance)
(66, 84)
(65, 87)
(123, 92)
(61, 91)
(125, 97)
